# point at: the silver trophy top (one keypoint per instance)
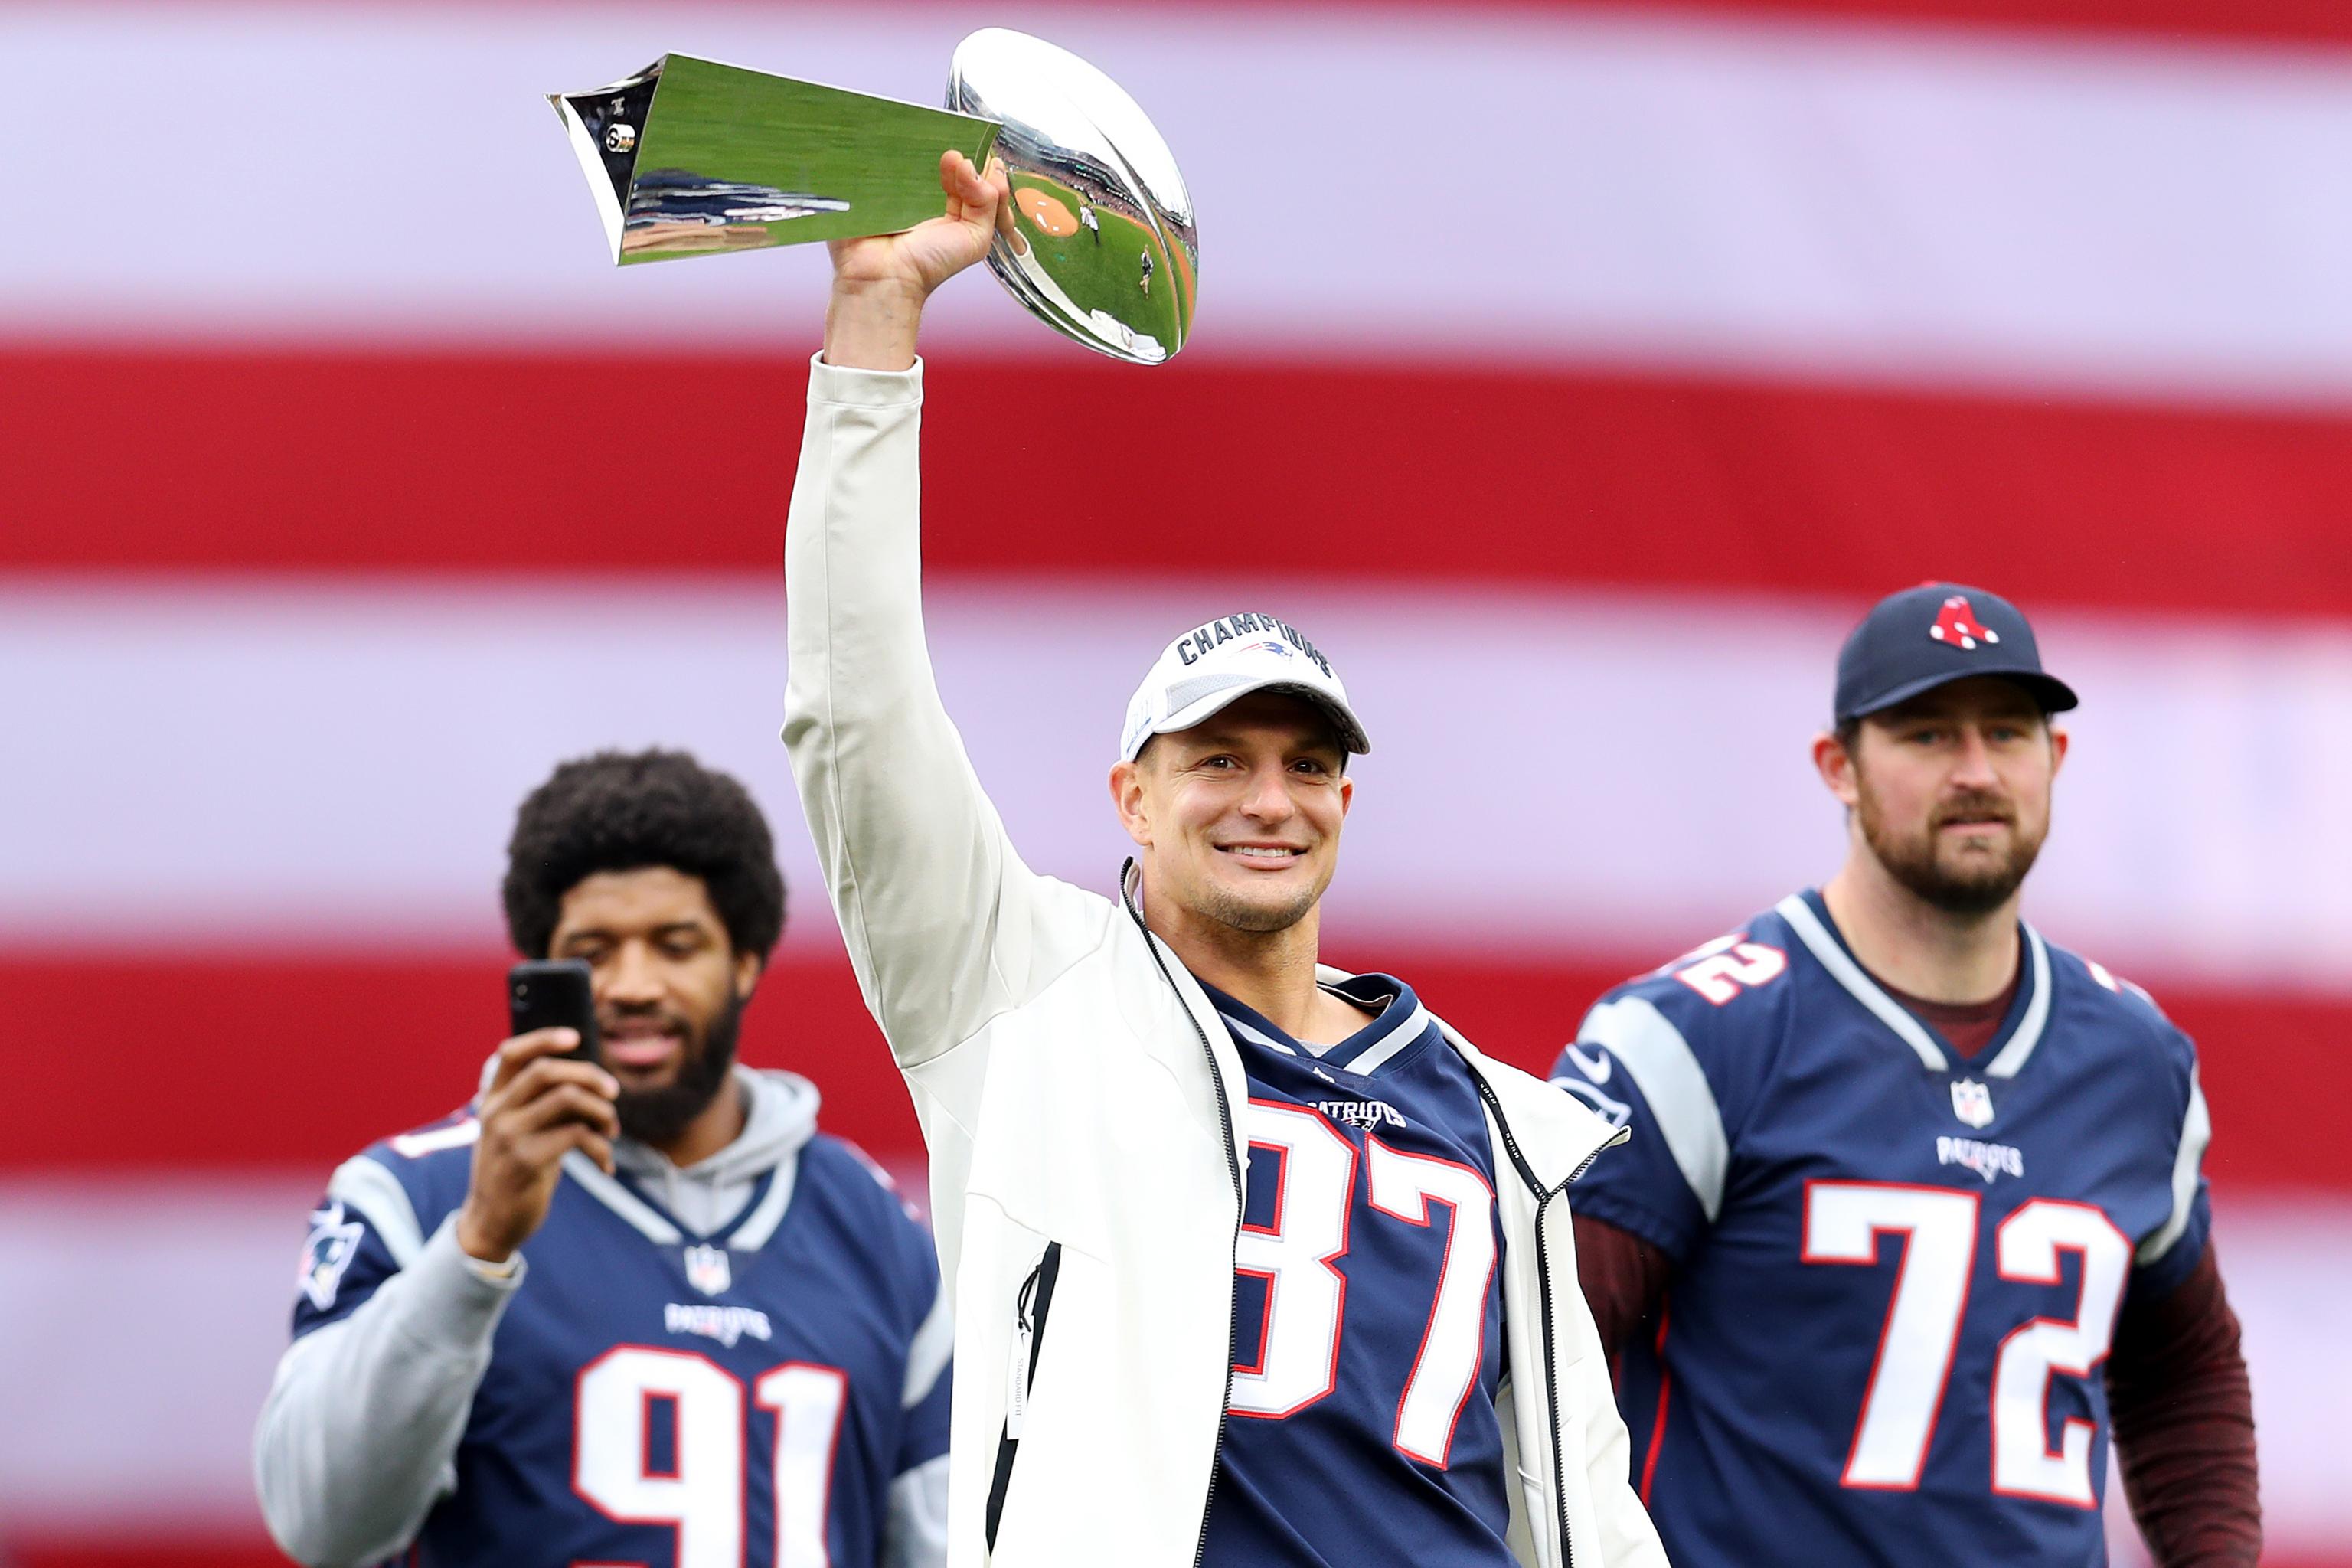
(691, 157)
(1105, 248)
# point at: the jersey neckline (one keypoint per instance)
(1808, 915)
(1390, 1037)
(747, 1230)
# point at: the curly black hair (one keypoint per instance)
(618, 811)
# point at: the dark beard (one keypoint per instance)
(1976, 889)
(659, 1116)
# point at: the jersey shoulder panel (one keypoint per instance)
(380, 1206)
(861, 1177)
(2132, 1035)
(866, 1188)
(431, 1166)
(1680, 1055)
(2124, 1019)
(1725, 1003)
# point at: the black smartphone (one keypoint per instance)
(553, 994)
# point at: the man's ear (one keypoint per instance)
(747, 968)
(2058, 741)
(1836, 764)
(1126, 798)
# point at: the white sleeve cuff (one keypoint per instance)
(855, 388)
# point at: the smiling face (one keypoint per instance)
(1950, 791)
(1238, 818)
(670, 990)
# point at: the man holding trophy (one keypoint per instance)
(1254, 1263)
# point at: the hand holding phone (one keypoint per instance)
(542, 1102)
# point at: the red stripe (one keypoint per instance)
(178, 461)
(120, 1063)
(2283, 21)
(2290, 21)
(1658, 1421)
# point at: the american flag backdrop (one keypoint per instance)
(1573, 375)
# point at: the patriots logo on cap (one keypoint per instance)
(1271, 645)
(1958, 624)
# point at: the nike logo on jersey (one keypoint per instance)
(724, 1324)
(1595, 1066)
(1987, 1160)
(1612, 1111)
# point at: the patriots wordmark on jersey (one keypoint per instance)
(745, 1398)
(1368, 1315)
(1896, 1272)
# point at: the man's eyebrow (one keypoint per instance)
(694, 924)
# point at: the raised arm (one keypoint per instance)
(944, 924)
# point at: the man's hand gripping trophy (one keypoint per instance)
(881, 281)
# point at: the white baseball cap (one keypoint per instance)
(1223, 660)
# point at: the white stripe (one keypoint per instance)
(1661, 1064)
(361, 1184)
(1910, 203)
(2188, 1164)
(179, 810)
(2021, 1045)
(1865, 989)
(1256, 1035)
(761, 1224)
(605, 1190)
(1395, 1040)
(457, 1135)
(915, 1533)
(929, 1353)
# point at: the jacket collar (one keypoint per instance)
(1189, 991)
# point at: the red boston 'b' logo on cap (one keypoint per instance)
(1956, 624)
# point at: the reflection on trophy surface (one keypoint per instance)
(690, 157)
(1101, 205)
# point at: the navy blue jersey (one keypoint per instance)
(1368, 1313)
(659, 1397)
(1896, 1272)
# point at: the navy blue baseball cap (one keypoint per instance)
(1916, 640)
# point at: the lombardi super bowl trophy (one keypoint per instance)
(690, 157)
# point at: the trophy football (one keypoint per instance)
(690, 157)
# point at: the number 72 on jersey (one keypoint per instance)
(1938, 1231)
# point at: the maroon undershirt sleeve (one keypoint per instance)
(1624, 1281)
(2184, 1425)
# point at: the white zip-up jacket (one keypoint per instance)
(1077, 1094)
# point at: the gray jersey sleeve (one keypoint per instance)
(357, 1440)
(915, 1526)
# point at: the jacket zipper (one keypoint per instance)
(1232, 1169)
(1034, 1299)
(1543, 1276)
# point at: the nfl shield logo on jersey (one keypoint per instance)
(1972, 1102)
(707, 1269)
